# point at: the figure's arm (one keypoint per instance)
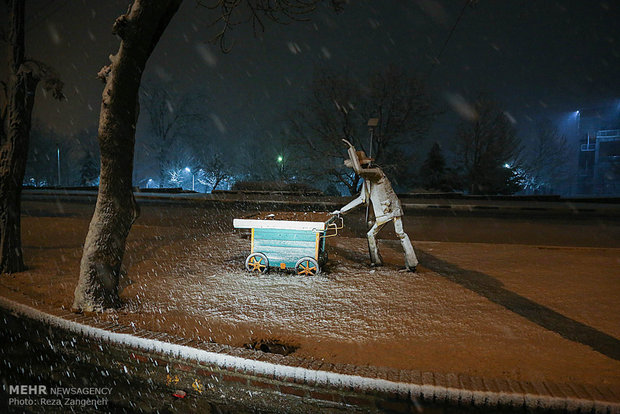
(354, 203)
(371, 174)
(361, 199)
(357, 167)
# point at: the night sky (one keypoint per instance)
(539, 58)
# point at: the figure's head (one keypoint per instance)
(364, 160)
(361, 156)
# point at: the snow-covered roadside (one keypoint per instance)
(309, 376)
(188, 280)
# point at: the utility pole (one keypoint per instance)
(372, 124)
(58, 163)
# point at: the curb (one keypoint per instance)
(406, 385)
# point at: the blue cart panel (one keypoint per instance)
(288, 244)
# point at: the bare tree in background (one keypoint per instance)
(75, 151)
(16, 103)
(547, 156)
(215, 171)
(140, 30)
(86, 154)
(269, 157)
(489, 150)
(169, 118)
(404, 110)
(324, 119)
(42, 166)
(339, 108)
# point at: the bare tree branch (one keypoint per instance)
(232, 13)
(486, 145)
(339, 106)
(47, 75)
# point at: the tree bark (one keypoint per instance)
(116, 209)
(14, 136)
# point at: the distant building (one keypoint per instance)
(599, 151)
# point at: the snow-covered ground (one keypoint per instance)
(460, 313)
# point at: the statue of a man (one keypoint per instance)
(377, 189)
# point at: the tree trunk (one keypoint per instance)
(14, 138)
(116, 210)
(217, 182)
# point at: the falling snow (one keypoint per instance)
(189, 281)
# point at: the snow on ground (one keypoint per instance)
(190, 281)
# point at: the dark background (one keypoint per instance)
(538, 58)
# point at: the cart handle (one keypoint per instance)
(333, 225)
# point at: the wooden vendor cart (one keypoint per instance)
(289, 240)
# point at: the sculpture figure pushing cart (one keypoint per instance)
(376, 190)
(300, 244)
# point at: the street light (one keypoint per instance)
(149, 182)
(187, 169)
(578, 116)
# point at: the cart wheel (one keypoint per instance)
(257, 262)
(307, 266)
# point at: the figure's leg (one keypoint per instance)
(375, 258)
(411, 261)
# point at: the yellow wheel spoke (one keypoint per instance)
(307, 268)
(256, 263)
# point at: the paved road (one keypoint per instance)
(534, 230)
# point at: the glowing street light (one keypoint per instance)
(578, 117)
(148, 183)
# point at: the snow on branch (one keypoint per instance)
(104, 72)
(46, 74)
(120, 26)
